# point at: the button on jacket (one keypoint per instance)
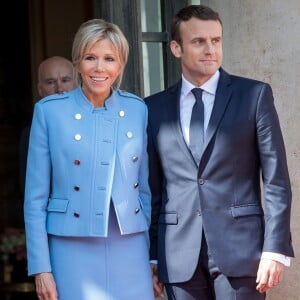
(90, 156)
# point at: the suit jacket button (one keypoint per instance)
(76, 214)
(77, 162)
(135, 185)
(137, 210)
(200, 181)
(76, 188)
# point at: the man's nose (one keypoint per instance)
(59, 88)
(209, 48)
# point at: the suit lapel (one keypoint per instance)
(222, 99)
(223, 93)
(223, 96)
(174, 118)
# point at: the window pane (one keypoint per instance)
(151, 16)
(152, 68)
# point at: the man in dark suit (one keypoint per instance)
(211, 235)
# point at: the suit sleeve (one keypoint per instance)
(156, 186)
(276, 183)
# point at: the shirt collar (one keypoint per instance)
(210, 86)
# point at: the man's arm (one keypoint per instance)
(277, 248)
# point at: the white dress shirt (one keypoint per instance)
(187, 101)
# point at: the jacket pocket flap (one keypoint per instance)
(246, 210)
(168, 218)
(58, 205)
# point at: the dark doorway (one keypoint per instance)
(15, 106)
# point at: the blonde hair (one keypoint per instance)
(94, 30)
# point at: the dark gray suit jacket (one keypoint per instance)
(223, 195)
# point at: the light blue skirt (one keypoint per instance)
(113, 268)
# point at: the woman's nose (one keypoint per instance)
(100, 66)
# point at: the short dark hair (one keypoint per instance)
(201, 12)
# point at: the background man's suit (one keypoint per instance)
(222, 195)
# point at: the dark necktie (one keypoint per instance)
(197, 126)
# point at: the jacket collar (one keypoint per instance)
(111, 104)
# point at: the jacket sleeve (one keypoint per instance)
(145, 194)
(277, 189)
(156, 185)
(37, 194)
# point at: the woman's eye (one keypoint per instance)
(89, 58)
(109, 58)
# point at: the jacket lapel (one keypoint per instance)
(222, 99)
(174, 118)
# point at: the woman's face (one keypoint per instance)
(99, 68)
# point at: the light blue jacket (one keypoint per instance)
(79, 158)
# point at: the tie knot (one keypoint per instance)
(197, 92)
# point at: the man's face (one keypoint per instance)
(201, 51)
(56, 77)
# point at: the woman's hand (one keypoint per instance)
(45, 286)
(158, 287)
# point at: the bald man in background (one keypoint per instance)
(56, 75)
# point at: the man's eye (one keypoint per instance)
(198, 41)
(215, 41)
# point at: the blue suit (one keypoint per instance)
(79, 158)
(221, 196)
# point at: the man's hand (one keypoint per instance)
(269, 274)
(158, 287)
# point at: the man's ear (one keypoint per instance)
(175, 49)
(39, 89)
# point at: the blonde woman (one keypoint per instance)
(87, 202)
